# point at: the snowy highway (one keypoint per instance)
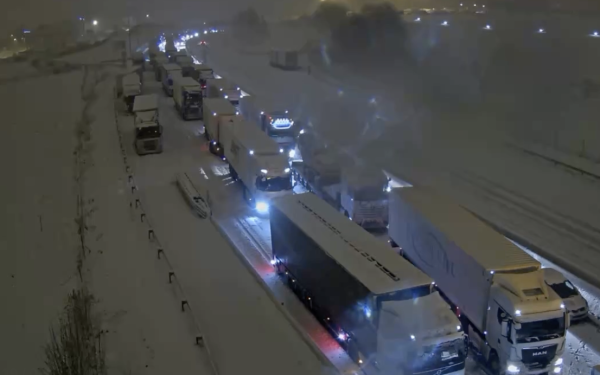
(253, 74)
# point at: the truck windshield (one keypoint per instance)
(565, 289)
(446, 357)
(193, 99)
(541, 330)
(148, 132)
(273, 183)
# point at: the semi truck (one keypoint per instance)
(167, 74)
(286, 60)
(515, 323)
(275, 119)
(382, 310)
(217, 113)
(223, 88)
(148, 131)
(201, 73)
(187, 95)
(130, 88)
(256, 161)
(360, 193)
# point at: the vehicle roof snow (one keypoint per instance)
(369, 259)
(486, 246)
(145, 103)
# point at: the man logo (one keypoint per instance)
(543, 352)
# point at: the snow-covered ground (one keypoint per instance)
(144, 329)
(246, 329)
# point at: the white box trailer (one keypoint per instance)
(168, 72)
(514, 320)
(187, 95)
(376, 305)
(256, 160)
(286, 60)
(217, 113)
(223, 88)
(184, 61)
(157, 63)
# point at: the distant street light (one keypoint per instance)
(95, 23)
(15, 39)
(147, 16)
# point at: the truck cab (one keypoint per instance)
(148, 131)
(363, 196)
(187, 95)
(528, 323)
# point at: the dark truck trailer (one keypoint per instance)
(379, 307)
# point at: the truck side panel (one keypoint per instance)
(334, 292)
(464, 281)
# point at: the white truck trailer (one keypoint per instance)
(358, 192)
(217, 113)
(255, 159)
(286, 60)
(382, 310)
(223, 88)
(514, 321)
(157, 62)
(131, 87)
(187, 95)
(148, 131)
(273, 117)
(201, 73)
(168, 73)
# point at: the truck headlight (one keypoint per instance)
(557, 370)
(262, 206)
(558, 362)
(512, 369)
(292, 153)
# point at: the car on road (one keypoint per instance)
(574, 302)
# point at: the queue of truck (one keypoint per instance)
(450, 284)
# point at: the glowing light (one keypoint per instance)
(562, 305)
(262, 206)
(226, 96)
(281, 151)
(512, 369)
(95, 23)
(147, 16)
(301, 131)
(595, 34)
(287, 170)
(273, 262)
(558, 362)
(458, 328)
(388, 189)
(251, 152)
(263, 171)
(541, 31)
(418, 19)
(488, 27)
(557, 370)
(196, 35)
(214, 113)
(412, 337)
(445, 23)
(518, 312)
(342, 336)
(292, 153)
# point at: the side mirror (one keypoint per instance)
(504, 328)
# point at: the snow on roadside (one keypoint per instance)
(145, 330)
(38, 236)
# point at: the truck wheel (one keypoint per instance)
(494, 363)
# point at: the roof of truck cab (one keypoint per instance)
(202, 67)
(188, 82)
(131, 79)
(170, 66)
(219, 105)
(487, 247)
(253, 138)
(145, 103)
(367, 258)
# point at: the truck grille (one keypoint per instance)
(540, 357)
(150, 145)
